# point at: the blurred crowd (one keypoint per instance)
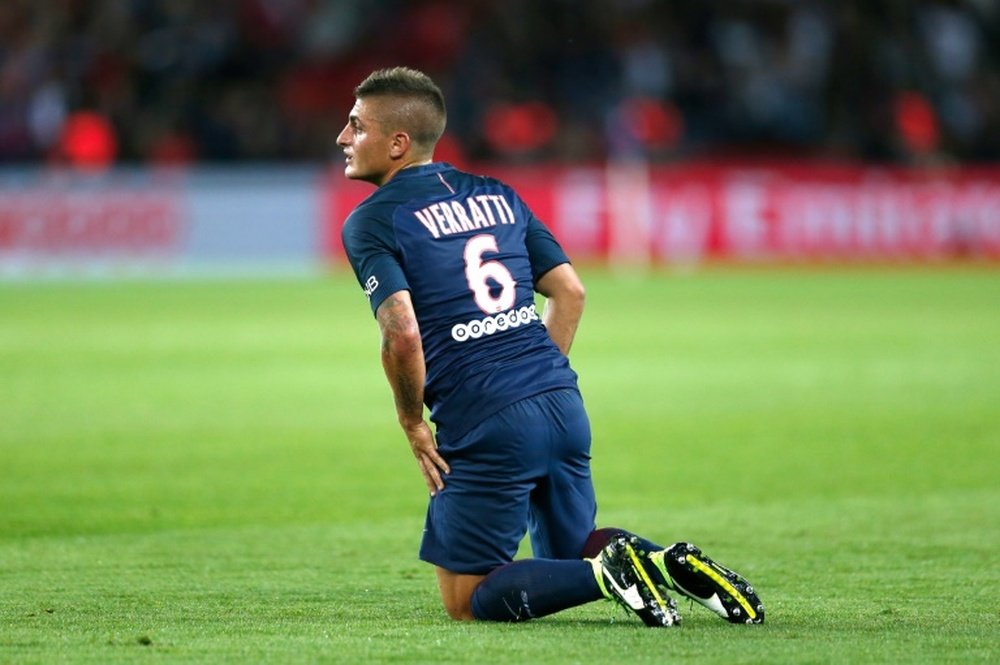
(184, 81)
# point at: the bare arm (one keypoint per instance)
(564, 306)
(403, 362)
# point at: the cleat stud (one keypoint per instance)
(749, 589)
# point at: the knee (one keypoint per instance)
(456, 593)
(459, 612)
(458, 605)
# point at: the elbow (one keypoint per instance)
(578, 293)
(562, 284)
(573, 294)
(402, 341)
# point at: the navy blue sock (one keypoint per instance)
(532, 588)
(599, 538)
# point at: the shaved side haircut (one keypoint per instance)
(417, 105)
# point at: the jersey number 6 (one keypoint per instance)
(479, 272)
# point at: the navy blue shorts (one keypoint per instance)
(524, 469)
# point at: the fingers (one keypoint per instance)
(431, 465)
(430, 461)
(425, 450)
(439, 461)
(432, 476)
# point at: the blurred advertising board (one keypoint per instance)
(138, 223)
(271, 221)
(788, 212)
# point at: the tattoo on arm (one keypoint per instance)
(392, 319)
(402, 356)
(409, 395)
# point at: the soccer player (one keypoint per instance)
(450, 263)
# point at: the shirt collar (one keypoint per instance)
(423, 169)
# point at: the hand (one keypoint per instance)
(425, 450)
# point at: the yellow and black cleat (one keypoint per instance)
(627, 582)
(693, 575)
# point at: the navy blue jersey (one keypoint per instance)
(469, 251)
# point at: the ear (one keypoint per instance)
(399, 145)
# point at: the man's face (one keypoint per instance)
(366, 146)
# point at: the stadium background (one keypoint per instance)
(797, 369)
(183, 136)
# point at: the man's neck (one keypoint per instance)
(405, 165)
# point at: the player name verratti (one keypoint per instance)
(445, 218)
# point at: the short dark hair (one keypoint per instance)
(421, 111)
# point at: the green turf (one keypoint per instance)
(211, 472)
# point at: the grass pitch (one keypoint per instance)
(211, 471)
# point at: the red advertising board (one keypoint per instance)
(786, 212)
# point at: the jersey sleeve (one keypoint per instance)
(371, 250)
(544, 251)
